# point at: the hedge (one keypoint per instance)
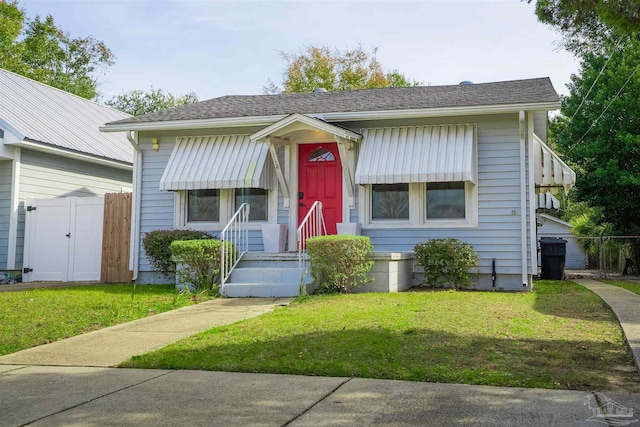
(339, 263)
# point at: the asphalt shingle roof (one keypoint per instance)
(528, 91)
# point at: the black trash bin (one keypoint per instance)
(553, 252)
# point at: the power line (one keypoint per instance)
(606, 108)
(584, 98)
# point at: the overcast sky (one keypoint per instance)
(217, 48)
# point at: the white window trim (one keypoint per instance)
(366, 197)
(418, 210)
(471, 209)
(227, 196)
(272, 209)
(180, 212)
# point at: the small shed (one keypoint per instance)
(550, 226)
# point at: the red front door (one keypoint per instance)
(320, 178)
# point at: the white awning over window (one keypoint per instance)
(442, 153)
(547, 201)
(549, 169)
(224, 161)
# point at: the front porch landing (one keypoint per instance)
(261, 274)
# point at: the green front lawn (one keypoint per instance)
(632, 286)
(560, 336)
(39, 316)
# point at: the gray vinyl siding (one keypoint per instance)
(5, 209)
(530, 236)
(47, 176)
(283, 214)
(576, 258)
(541, 124)
(353, 213)
(498, 234)
(157, 206)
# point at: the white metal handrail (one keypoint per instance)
(312, 225)
(235, 243)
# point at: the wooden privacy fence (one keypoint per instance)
(116, 238)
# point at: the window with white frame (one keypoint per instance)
(203, 205)
(258, 200)
(390, 201)
(437, 205)
(204, 209)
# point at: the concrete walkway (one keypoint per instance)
(626, 306)
(68, 396)
(113, 345)
(86, 393)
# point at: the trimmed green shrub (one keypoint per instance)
(339, 263)
(446, 262)
(200, 263)
(157, 246)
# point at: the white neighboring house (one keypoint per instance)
(50, 147)
(576, 258)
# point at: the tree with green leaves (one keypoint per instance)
(568, 15)
(37, 48)
(11, 22)
(599, 129)
(599, 133)
(138, 102)
(335, 70)
(588, 26)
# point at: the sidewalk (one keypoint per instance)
(113, 345)
(626, 306)
(80, 390)
(68, 396)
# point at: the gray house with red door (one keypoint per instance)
(400, 165)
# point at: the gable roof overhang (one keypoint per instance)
(556, 220)
(296, 122)
(286, 130)
(335, 117)
(18, 139)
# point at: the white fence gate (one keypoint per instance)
(63, 239)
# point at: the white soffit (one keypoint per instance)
(223, 161)
(549, 169)
(295, 122)
(441, 153)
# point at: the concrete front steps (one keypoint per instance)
(264, 275)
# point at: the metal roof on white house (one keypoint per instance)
(417, 154)
(38, 113)
(224, 161)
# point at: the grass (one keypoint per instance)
(633, 286)
(561, 336)
(33, 317)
